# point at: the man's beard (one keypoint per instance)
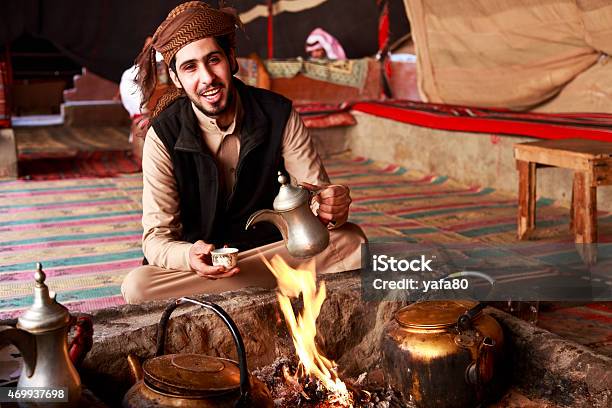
(217, 110)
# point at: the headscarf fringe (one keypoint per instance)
(146, 78)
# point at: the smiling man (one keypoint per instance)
(211, 159)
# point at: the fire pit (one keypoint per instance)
(348, 332)
(313, 380)
(291, 390)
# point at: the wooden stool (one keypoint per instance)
(592, 164)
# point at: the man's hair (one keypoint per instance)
(227, 44)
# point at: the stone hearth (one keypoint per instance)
(540, 365)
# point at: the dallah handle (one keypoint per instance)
(242, 361)
(82, 342)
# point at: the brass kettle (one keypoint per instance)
(41, 337)
(444, 354)
(304, 234)
(195, 380)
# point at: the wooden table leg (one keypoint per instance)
(527, 198)
(585, 216)
(585, 208)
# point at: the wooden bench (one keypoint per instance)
(591, 162)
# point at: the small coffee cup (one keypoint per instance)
(227, 257)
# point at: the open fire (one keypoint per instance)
(312, 366)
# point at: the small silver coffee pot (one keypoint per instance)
(41, 337)
(304, 234)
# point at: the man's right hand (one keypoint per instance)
(201, 262)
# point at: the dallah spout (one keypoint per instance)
(24, 341)
(271, 217)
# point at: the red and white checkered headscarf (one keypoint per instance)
(320, 38)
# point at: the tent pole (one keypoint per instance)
(383, 46)
(270, 30)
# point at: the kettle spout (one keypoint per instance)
(24, 341)
(271, 217)
(135, 368)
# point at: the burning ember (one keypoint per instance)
(312, 364)
(290, 391)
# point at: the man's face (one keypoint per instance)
(318, 53)
(204, 72)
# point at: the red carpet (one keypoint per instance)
(80, 164)
(595, 126)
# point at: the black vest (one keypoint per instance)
(206, 213)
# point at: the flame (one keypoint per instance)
(291, 283)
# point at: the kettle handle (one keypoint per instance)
(480, 372)
(242, 361)
(464, 322)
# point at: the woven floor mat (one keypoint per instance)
(87, 232)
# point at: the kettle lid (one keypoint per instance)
(289, 196)
(193, 375)
(45, 314)
(433, 314)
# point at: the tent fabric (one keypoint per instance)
(5, 117)
(105, 36)
(590, 91)
(512, 53)
(354, 23)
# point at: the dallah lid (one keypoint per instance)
(289, 196)
(45, 314)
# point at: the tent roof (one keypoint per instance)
(106, 35)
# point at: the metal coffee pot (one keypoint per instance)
(41, 337)
(195, 380)
(444, 354)
(304, 234)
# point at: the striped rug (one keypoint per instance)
(589, 325)
(86, 232)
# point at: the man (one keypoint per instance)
(131, 98)
(211, 159)
(322, 45)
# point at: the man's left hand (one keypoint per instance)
(334, 201)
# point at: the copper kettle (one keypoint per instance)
(444, 354)
(41, 337)
(195, 380)
(304, 234)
